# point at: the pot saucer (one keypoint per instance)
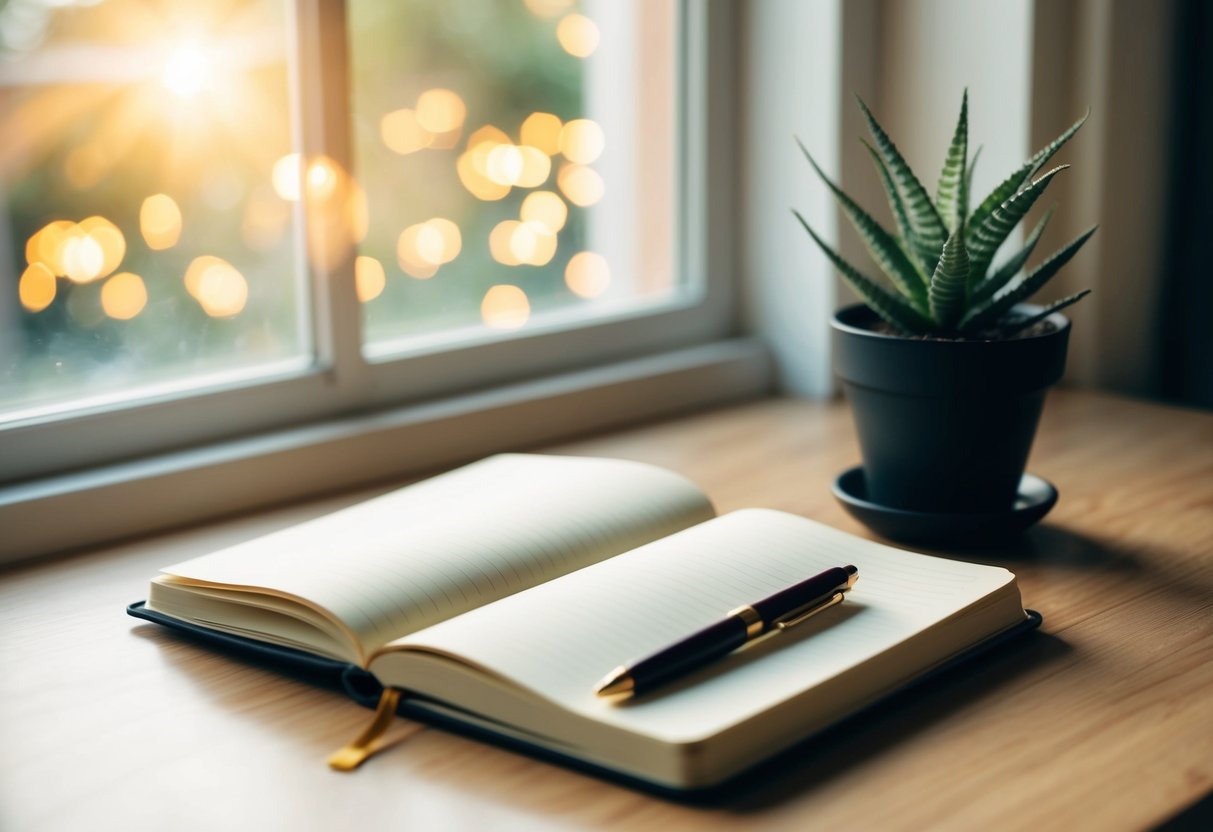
(1036, 496)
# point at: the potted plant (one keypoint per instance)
(946, 371)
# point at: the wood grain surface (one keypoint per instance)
(1104, 720)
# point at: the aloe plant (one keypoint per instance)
(940, 260)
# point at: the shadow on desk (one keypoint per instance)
(813, 763)
(1048, 545)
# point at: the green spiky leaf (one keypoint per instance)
(986, 239)
(987, 314)
(1042, 156)
(950, 282)
(879, 242)
(951, 192)
(928, 231)
(1013, 183)
(893, 308)
(1020, 325)
(898, 209)
(995, 280)
(967, 183)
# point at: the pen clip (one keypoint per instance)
(796, 616)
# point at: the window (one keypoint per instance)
(221, 218)
(148, 237)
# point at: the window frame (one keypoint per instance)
(340, 380)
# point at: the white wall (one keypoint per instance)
(790, 87)
(928, 52)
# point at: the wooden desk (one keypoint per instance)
(1103, 721)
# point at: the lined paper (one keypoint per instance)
(561, 638)
(429, 551)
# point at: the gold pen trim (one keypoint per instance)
(754, 625)
(617, 681)
(797, 616)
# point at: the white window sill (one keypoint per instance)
(63, 512)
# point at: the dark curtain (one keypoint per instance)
(1186, 374)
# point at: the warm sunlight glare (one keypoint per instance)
(160, 222)
(587, 274)
(185, 71)
(123, 296)
(505, 307)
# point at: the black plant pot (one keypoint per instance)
(944, 426)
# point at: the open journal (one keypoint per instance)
(497, 596)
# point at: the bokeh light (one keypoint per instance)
(582, 141)
(423, 247)
(218, 287)
(578, 35)
(587, 274)
(536, 167)
(37, 287)
(193, 272)
(109, 239)
(503, 164)
(546, 208)
(505, 307)
(123, 296)
(222, 291)
(83, 257)
(46, 246)
(440, 111)
(582, 185)
(403, 133)
(501, 242)
(160, 222)
(542, 130)
(287, 177)
(473, 166)
(324, 178)
(369, 278)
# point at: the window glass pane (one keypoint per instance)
(148, 229)
(518, 162)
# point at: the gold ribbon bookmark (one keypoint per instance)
(358, 751)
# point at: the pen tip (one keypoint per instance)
(617, 681)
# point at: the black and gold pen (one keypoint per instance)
(784, 609)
